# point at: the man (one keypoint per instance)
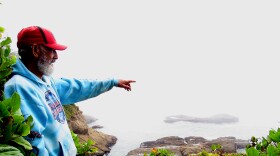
(42, 96)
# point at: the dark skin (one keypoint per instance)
(37, 51)
(51, 56)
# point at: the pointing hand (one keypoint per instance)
(125, 84)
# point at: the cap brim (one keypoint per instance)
(56, 46)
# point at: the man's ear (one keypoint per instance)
(35, 50)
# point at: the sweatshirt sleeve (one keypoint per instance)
(31, 105)
(74, 90)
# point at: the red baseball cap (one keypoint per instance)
(38, 35)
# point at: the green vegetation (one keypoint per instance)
(6, 61)
(269, 146)
(204, 153)
(160, 152)
(69, 111)
(83, 149)
(217, 150)
(13, 126)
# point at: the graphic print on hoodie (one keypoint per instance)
(55, 107)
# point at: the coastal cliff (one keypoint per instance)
(77, 123)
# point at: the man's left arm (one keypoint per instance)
(74, 90)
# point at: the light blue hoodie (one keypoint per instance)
(42, 100)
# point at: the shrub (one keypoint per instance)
(13, 126)
(160, 152)
(265, 146)
(85, 148)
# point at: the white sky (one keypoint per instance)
(188, 57)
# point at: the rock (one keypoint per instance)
(102, 141)
(166, 141)
(96, 127)
(141, 151)
(77, 123)
(241, 144)
(189, 145)
(192, 149)
(75, 119)
(194, 140)
(228, 144)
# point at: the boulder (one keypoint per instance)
(103, 142)
(77, 123)
(141, 151)
(194, 140)
(228, 144)
(96, 127)
(166, 141)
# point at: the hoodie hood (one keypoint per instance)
(20, 69)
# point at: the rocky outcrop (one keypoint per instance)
(78, 124)
(189, 145)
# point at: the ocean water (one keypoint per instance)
(133, 130)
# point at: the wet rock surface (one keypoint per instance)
(189, 145)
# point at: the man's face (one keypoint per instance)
(46, 59)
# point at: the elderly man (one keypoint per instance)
(42, 96)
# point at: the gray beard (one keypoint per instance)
(45, 67)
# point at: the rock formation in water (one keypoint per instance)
(189, 145)
(216, 119)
